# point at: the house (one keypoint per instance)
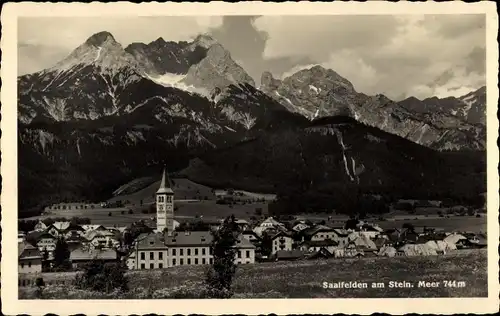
(158, 250)
(322, 232)
(361, 242)
(101, 239)
(317, 245)
(21, 237)
(245, 251)
(270, 222)
(81, 256)
(300, 226)
(281, 241)
(151, 252)
(46, 242)
(40, 226)
(87, 228)
(58, 228)
(322, 253)
(74, 240)
(73, 230)
(371, 231)
(250, 236)
(29, 258)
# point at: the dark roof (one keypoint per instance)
(151, 241)
(198, 238)
(322, 253)
(281, 233)
(428, 237)
(321, 243)
(27, 251)
(316, 229)
(41, 235)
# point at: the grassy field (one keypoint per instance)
(304, 279)
(184, 189)
(194, 199)
(208, 209)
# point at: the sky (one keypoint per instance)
(396, 55)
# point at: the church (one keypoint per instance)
(165, 205)
(167, 247)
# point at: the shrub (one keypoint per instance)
(102, 277)
(109, 214)
(130, 212)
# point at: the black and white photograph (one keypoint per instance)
(246, 155)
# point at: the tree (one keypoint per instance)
(39, 283)
(409, 227)
(351, 223)
(220, 275)
(258, 211)
(61, 255)
(103, 277)
(266, 245)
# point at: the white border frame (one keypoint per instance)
(11, 304)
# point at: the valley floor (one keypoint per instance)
(210, 210)
(302, 279)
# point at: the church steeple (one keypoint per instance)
(165, 186)
(165, 204)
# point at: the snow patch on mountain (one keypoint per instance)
(314, 89)
(245, 119)
(175, 81)
(99, 49)
(134, 137)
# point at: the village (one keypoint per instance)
(173, 243)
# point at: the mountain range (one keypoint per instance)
(107, 113)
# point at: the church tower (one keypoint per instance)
(165, 205)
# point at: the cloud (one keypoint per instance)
(395, 55)
(57, 37)
(71, 32)
(318, 36)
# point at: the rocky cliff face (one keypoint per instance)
(160, 57)
(442, 124)
(217, 70)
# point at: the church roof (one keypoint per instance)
(165, 186)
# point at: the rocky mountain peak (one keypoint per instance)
(100, 39)
(204, 40)
(217, 69)
(268, 82)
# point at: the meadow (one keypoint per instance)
(302, 279)
(195, 200)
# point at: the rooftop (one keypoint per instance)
(165, 185)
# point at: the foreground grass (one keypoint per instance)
(303, 279)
